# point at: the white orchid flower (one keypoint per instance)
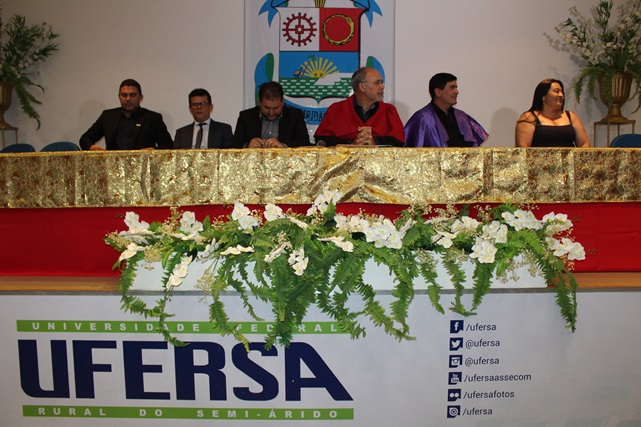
(273, 212)
(189, 225)
(132, 220)
(298, 261)
(495, 231)
(321, 203)
(573, 250)
(556, 223)
(464, 225)
(239, 211)
(236, 250)
(174, 281)
(247, 222)
(339, 241)
(132, 249)
(483, 251)
(521, 219)
(444, 238)
(299, 223)
(209, 250)
(276, 252)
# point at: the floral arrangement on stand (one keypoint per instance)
(22, 48)
(319, 258)
(604, 47)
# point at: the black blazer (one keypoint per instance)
(151, 130)
(220, 136)
(292, 129)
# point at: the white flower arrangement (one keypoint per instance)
(601, 42)
(22, 49)
(318, 258)
(603, 45)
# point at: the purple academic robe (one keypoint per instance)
(424, 129)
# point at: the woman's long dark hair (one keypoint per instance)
(541, 90)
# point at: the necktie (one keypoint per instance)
(199, 137)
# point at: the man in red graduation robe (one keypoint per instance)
(363, 118)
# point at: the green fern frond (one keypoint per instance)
(434, 293)
(128, 274)
(457, 276)
(483, 275)
(347, 271)
(405, 272)
(565, 288)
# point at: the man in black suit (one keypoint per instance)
(271, 124)
(129, 127)
(204, 132)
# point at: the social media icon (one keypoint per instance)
(456, 326)
(456, 360)
(454, 378)
(456, 344)
(453, 394)
(453, 411)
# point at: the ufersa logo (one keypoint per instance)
(78, 356)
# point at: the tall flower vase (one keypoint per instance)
(6, 91)
(620, 91)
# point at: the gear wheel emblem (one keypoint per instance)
(299, 29)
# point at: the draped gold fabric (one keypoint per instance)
(297, 176)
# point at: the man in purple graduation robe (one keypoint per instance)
(439, 124)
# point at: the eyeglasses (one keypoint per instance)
(198, 104)
(376, 82)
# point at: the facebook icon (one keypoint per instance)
(456, 326)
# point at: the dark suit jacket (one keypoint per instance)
(220, 136)
(151, 130)
(292, 130)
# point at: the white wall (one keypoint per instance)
(496, 48)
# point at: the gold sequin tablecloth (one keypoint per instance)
(297, 176)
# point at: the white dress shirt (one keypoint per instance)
(205, 141)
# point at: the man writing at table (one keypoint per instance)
(271, 124)
(363, 118)
(129, 127)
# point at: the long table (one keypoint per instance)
(297, 176)
(56, 208)
(71, 356)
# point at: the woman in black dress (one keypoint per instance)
(547, 124)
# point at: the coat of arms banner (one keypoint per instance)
(312, 47)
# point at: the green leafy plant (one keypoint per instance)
(293, 261)
(22, 48)
(604, 46)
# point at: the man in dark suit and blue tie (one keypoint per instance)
(204, 132)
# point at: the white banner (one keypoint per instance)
(77, 360)
(312, 47)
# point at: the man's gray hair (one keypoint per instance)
(358, 77)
